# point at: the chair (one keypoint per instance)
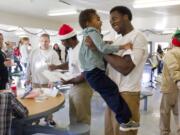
(144, 96)
(79, 129)
(45, 130)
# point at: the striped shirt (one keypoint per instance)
(9, 106)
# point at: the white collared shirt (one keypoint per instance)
(38, 62)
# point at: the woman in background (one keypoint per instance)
(9, 55)
(160, 55)
(4, 63)
(24, 44)
(58, 50)
(17, 56)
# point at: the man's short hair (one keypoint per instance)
(123, 11)
(86, 16)
(45, 35)
(25, 39)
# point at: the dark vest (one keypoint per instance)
(3, 68)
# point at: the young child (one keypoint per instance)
(93, 68)
(170, 86)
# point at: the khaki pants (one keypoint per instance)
(112, 126)
(169, 102)
(80, 103)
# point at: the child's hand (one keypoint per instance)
(90, 44)
(127, 46)
(108, 42)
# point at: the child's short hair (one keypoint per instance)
(86, 16)
(24, 39)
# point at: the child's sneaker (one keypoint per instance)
(131, 125)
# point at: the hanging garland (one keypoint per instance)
(45, 31)
(28, 32)
(155, 32)
(7, 30)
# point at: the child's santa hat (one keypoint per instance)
(66, 32)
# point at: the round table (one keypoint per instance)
(38, 110)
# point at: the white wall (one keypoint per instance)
(138, 22)
(19, 20)
(156, 22)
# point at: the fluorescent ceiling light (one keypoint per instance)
(154, 3)
(62, 12)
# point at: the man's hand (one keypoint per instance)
(65, 82)
(76, 80)
(52, 67)
(178, 85)
(90, 44)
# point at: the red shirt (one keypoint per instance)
(17, 52)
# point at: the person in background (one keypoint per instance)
(39, 59)
(10, 56)
(170, 87)
(58, 50)
(24, 44)
(4, 64)
(80, 94)
(160, 55)
(9, 107)
(17, 56)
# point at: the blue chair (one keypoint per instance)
(44, 130)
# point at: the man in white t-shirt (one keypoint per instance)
(81, 93)
(126, 68)
(39, 59)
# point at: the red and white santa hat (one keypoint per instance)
(66, 32)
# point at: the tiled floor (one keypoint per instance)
(149, 119)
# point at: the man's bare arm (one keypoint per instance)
(63, 66)
(76, 80)
(123, 64)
